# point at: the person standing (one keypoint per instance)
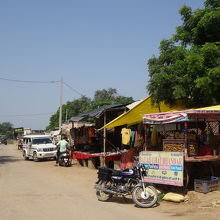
(20, 143)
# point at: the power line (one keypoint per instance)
(27, 115)
(31, 81)
(72, 89)
(28, 81)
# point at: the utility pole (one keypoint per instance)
(61, 103)
(66, 114)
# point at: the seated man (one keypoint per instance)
(62, 146)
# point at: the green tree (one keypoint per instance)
(108, 97)
(201, 26)
(85, 104)
(70, 109)
(188, 66)
(6, 128)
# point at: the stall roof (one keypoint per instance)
(135, 114)
(79, 124)
(55, 133)
(97, 112)
(209, 113)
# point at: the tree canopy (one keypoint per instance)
(6, 128)
(188, 66)
(85, 104)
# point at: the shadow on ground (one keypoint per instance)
(8, 159)
(127, 201)
(121, 200)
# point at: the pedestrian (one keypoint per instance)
(20, 143)
(62, 146)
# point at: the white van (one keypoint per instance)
(38, 147)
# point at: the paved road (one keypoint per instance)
(40, 190)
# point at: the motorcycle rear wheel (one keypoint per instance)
(142, 200)
(68, 164)
(101, 195)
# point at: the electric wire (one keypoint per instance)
(51, 81)
(28, 81)
(73, 89)
(31, 81)
(22, 115)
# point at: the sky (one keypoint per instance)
(91, 44)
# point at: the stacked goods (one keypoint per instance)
(191, 137)
(192, 149)
(179, 135)
(173, 147)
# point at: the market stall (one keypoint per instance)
(194, 133)
(93, 147)
(131, 122)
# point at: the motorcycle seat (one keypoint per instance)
(116, 172)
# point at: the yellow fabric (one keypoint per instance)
(210, 108)
(154, 136)
(126, 136)
(135, 115)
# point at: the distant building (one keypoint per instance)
(27, 131)
(38, 132)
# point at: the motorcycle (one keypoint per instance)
(64, 159)
(126, 182)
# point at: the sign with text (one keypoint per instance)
(18, 130)
(163, 167)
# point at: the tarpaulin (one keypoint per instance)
(96, 113)
(209, 113)
(135, 114)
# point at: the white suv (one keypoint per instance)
(38, 146)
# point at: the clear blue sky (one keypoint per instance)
(92, 44)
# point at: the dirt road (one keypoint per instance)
(40, 190)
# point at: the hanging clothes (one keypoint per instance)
(91, 132)
(132, 138)
(154, 136)
(127, 159)
(136, 138)
(139, 140)
(126, 136)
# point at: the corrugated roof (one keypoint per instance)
(96, 113)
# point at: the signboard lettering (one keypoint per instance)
(18, 130)
(164, 167)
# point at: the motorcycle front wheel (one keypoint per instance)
(144, 199)
(101, 195)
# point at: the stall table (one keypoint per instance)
(90, 157)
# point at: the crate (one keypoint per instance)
(207, 184)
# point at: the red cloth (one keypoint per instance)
(113, 157)
(84, 155)
(126, 159)
(205, 150)
(79, 155)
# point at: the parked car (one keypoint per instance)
(3, 139)
(38, 147)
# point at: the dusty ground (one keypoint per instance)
(40, 190)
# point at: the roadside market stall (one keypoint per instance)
(93, 147)
(131, 122)
(192, 133)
